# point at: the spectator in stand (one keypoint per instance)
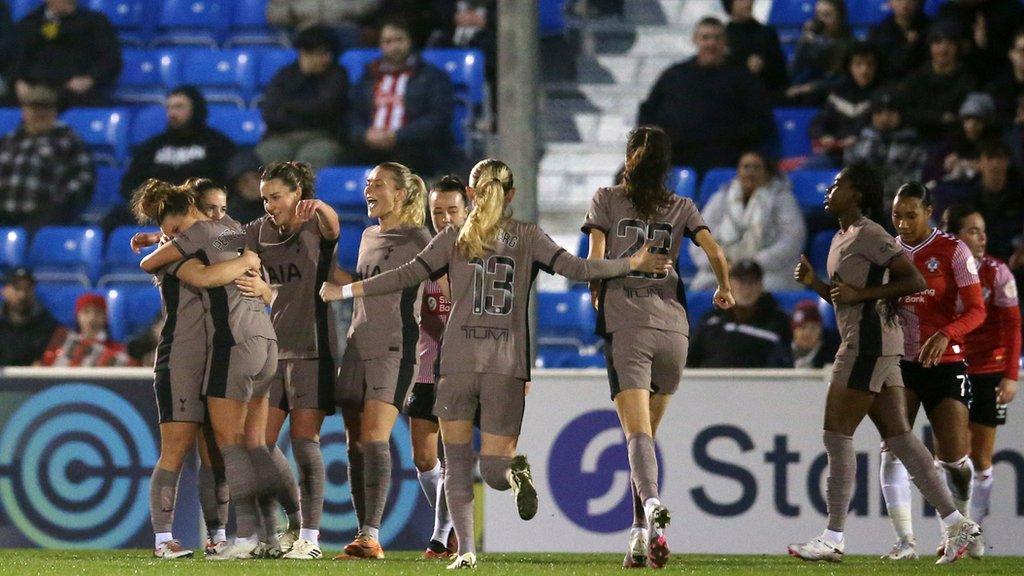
(7, 48)
(188, 148)
(957, 157)
(429, 22)
(888, 146)
(755, 46)
(755, 217)
(345, 18)
(25, 326)
(46, 171)
(711, 110)
(900, 38)
(1008, 86)
(847, 109)
(989, 27)
(818, 62)
(70, 48)
(402, 108)
(243, 178)
(756, 325)
(304, 106)
(934, 92)
(89, 345)
(476, 26)
(813, 346)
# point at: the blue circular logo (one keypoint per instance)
(75, 462)
(589, 473)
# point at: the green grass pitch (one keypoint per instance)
(138, 562)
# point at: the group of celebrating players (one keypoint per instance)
(440, 331)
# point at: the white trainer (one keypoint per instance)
(817, 550)
(958, 538)
(238, 551)
(976, 549)
(170, 550)
(212, 548)
(657, 545)
(287, 539)
(636, 555)
(903, 549)
(304, 550)
(463, 561)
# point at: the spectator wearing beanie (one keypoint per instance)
(813, 346)
(25, 325)
(89, 345)
(935, 91)
(957, 157)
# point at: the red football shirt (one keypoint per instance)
(994, 347)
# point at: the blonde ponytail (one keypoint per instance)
(155, 199)
(491, 180)
(413, 209)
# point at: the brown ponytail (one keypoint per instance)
(648, 157)
(296, 175)
(156, 199)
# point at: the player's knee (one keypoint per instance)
(495, 472)
(424, 462)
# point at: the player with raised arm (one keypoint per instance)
(643, 320)
(867, 269)
(485, 360)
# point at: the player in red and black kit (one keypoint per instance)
(935, 323)
(993, 351)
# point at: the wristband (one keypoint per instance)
(346, 292)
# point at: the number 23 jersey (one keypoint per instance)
(642, 300)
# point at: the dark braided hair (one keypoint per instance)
(869, 183)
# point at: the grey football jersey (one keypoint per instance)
(183, 338)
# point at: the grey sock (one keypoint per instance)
(644, 465)
(376, 480)
(458, 491)
(311, 479)
(242, 483)
(355, 482)
(214, 497)
(639, 516)
(959, 476)
(163, 493)
(267, 506)
(842, 471)
(918, 462)
(288, 493)
(269, 485)
(494, 470)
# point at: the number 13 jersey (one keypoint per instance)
(642, 300)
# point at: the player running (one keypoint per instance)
(485, 356)
(642, 318)
(866, 379)
(935, 322)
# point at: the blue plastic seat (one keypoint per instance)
(867, 12)
(192, 22)
(809, 187)
(10, 118)
(104, 130)
(348, 244)
(818, 253)
(790, 13)
(698, 305)
(342, 187)
(791, 124)
(683, 181)
(147, 75)
(148, 122)
(355, 62)
(464, 67)
(789, 299)
(66, 253)
(120, 263)
(131, 308)
(249, 26)
(243, 127)
(106, 194)
(222, 75)
(713, 180)
(59, 299)
(551, 16)
(931, 7)
(685, 266)
(13, 241)
(567, 356)
(565, 318)
(132, 18)
(21, 8)
(271, 60)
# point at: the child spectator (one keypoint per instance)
(89, 345)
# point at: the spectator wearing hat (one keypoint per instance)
(755, 47)
(89, 344)
(755, 333)
(989, 27)
(847, 109)
(813, 346)
(25, 326)
(755, 216)
(889, 146)
(46, 171)
(305, 104)
(900, 38)
(69, 48)
(934, 92)
(998, 193)
(1008, 86)
(956, 158)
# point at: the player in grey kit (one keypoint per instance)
(866, 379)
(296, 242)
(643, 318)
(485, 361)
(379, 365)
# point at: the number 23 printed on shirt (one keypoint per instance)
(659, 233)
(492, 285)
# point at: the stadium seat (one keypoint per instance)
(270, 61)
(818, 252)
(552, 17)
(565, 318)
(132, 18)
(147, 122)
(342, 187)
(121, 263)
(791, 124)
(683, 181)
(809, 187)
(698, 305)
(867, 12)
(131, 308)
(348, 244)
(147, 75)
(249, 26)
(713, 180)
(790, 13)
(192, 22)
(931, 7)
(12, 248)
(355, 62)
(222, 75)
(59, 299)
(464, 67)
(66, 253)
(243, 127)
(566, 356)
(21, 8)
(828, 315)
(9, 120)
(106, 194)
(789, 299)
(104, 130)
